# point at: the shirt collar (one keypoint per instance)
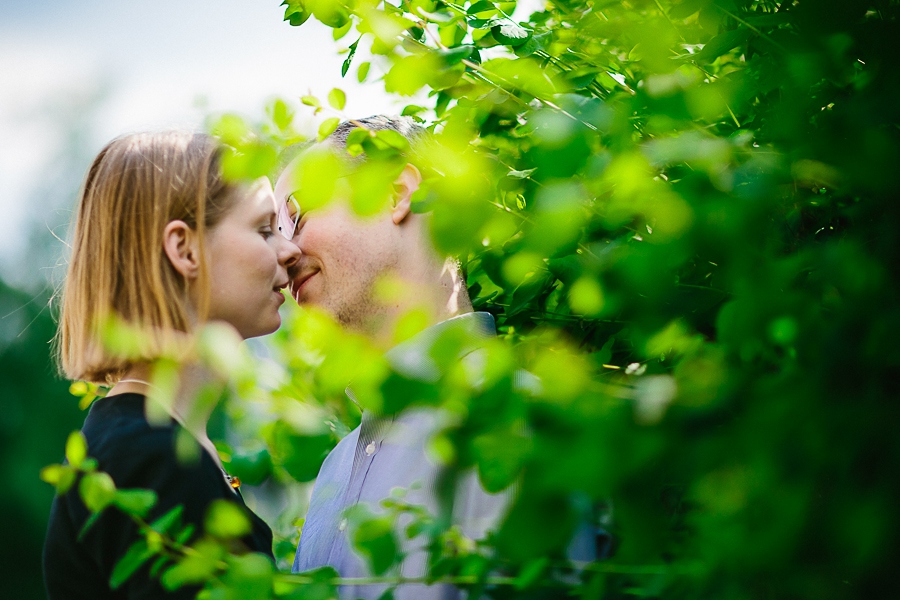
(413, 358)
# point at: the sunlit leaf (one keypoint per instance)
(226, 520)
(337, 99)
(135, 502)
(76, 449)
(327, 127)
(97, 491)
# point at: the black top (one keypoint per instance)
(136, 455)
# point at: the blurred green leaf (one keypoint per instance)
(138, 554)
(76, 449)
(328, 126)
(373, 537)
(337, 99)
(97, 490)
(226, 520)
(135, 502)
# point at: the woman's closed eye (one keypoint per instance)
(268, 228)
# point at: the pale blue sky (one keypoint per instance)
(88, 70)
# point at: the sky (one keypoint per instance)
(76, 73)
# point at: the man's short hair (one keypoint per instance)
(405, 126)
(414, 133)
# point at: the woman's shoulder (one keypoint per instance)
(138, 453)
(118, 424)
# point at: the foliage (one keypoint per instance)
(682, 216)
(36, 417)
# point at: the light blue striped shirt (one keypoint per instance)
(384, 453)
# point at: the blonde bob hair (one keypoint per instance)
(118, 270)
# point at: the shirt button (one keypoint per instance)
(370, 449)
(342, 525)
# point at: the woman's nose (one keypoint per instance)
(288, 253)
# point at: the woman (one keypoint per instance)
(163, 244)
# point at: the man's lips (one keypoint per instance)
(299, 282)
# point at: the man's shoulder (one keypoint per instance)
(340, 459)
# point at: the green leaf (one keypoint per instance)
(510, 34)
(330, 12)
(320, 585)
(524, 174)
(346, 64)
(281, 115)
(136, 556)
(157, 565)
(249, 161)
(76, 449)
(88, 524)
(480, 6)
(60, 476)
(97, 491)
(251, 574)
(500, 458)
(337, 99)
(339, 32)
(196, 567)
(687, 8)
(186, 533)
(170, 519)
(374, 538)
(327, 127)
(482, 23)
(295, 12)
(531, 572)
(411, 110)
(226, 520)
(393, 139)
(456, 55)
(310, 101)
(586, 296)
(363, 71)
(135, 502)
(251, 467)
(721, 44)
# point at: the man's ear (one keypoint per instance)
(182, 248)
(404, 187)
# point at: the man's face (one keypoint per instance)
(342, 257)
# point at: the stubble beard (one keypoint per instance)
(359, 311)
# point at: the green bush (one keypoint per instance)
(683, 217)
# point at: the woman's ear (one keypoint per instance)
(404, 187)
(182, 248)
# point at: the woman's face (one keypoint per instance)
(248, 262)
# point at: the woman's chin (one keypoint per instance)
(271, 327)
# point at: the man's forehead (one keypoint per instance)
(289, 180)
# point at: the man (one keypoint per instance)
(343, 257)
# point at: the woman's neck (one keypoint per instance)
(191, 404)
